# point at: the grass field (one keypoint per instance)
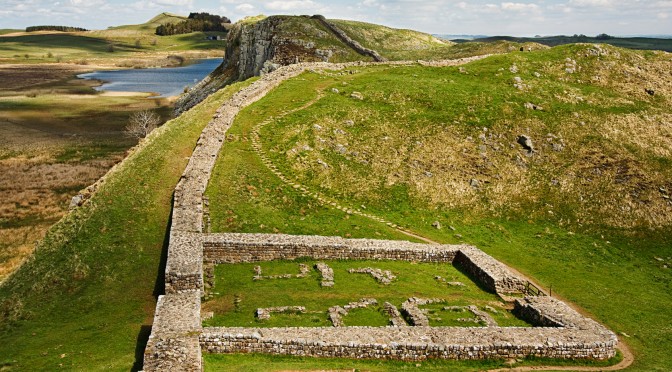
(575, 239)
(238, 295)
(623, 42)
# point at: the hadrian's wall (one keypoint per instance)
(177, 337)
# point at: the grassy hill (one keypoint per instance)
(151, 25)
(394, 44)
(586, 214)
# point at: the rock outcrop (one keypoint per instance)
(257, 47)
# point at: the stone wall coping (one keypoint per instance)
(317, 241)
(415, 335)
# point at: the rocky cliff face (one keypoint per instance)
(255, 48)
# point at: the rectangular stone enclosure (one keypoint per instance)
(559, 332)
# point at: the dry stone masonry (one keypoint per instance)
(178, 339)
(336, 313)
(416, 316)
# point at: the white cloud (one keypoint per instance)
(591, 3)
(174, 2)
(520, 7)
(291, 5)
(245, 7)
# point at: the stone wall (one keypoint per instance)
(546, 311)
(235, 248)
(174, 343)
(410, 343)
(490, 273)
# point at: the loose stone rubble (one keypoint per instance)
(265, 313)
(416, 316)
(382, 276)
(396, 320)
(178, 338)
(327, 274)
(303, 272)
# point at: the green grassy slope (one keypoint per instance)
(151, 25)
(399, 44)
(394, 44)
(86, 298)
(589, 218)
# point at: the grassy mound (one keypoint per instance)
(85, 300)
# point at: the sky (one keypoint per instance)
(484, 17)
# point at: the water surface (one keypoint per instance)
(165, 82)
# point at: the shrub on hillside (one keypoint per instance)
(54, 28)
(197, 22)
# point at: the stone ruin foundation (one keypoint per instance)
(178, 337)
(558, 332)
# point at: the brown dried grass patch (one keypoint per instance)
(651, 133)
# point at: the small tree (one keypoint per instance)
(142, 123)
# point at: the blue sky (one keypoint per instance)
(513, 17)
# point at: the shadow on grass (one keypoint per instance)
(458, 266)
(143, 337)
(159, 289)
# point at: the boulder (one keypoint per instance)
(526, 142)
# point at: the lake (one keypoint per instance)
(165, 82)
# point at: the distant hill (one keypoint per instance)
(645, 43)
(5, 31)
(152, 24)
(460, 36)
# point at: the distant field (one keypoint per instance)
(102, 47)
(115, 45)
(58, 136)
